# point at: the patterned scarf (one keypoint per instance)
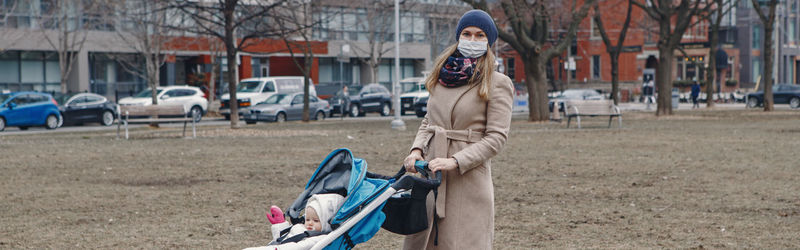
(457, 71)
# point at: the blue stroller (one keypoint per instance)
(372, 201)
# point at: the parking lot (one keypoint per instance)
(699, 179)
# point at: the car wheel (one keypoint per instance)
(250, 122)
(355, 110)
(227, 117)
(107, 118)
(385, 109)
(51, 122)
(281, 117)
(2, 123)
(420, 114)
(752, 102)
(320, 116)
(794, 102)
(61, 120)
(197, 113)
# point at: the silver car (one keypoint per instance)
(285, 107)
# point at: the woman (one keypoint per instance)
(469, 114)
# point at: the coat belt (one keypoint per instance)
(440, 143)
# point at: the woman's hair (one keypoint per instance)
(484, 69)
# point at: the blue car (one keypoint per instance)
(28, 109)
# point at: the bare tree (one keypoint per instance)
(64, 30)
(768, 21)
(723, 7)
(295, 22)
(530, 36)
(11, 36)
(233, 22)
(143, 30)
(377, 23)
(614, 50)
(673, 18)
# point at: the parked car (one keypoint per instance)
(421, 106)
(86, 107)
(573, 94)
(251, 91)
(370, 98)
(28, 109)
(781, 94)
(285, 107)
(413, 89)
(192, 98)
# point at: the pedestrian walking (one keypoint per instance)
(695, 94)
(343, 98)
(467, 124)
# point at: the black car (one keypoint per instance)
(85, 108)
(781, 94)
(368, 98)
(421, 106)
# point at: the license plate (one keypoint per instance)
(253, 116)
(407, 105)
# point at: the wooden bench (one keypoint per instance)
(578, 108)
(154, 113)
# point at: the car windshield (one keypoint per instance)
(62, 98)
(277, 98)
(4, 97)
(353, 90)
(248, 87)
(146, 93)
(414, 88)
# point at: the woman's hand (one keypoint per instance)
(443, 164)
(413, 157)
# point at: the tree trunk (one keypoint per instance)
(769, 28)
(307, 63)
(230, 53)
(152, 80)
(536, 81)
(664, 80)
(615, 77)
(212, 81)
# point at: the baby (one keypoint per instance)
(320, 208)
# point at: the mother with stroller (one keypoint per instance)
(469, 115)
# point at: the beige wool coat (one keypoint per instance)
(461, 125)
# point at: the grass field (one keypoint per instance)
(698, 179)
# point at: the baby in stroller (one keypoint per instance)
(320, 208)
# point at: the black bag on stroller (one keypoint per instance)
(406, 213)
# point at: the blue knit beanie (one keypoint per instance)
(480, 19)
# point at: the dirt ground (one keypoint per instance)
(699, 179)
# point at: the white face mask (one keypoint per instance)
(472, 49)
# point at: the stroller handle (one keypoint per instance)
(407, 182)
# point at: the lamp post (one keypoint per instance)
(345, 49)
(397, 123)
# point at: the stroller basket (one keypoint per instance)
(366, 195)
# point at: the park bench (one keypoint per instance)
(154, 114)
(578, 108)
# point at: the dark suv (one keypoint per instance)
(370, 98)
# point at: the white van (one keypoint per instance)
(251, 91)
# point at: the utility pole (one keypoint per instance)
(397, 123)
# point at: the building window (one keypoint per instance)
(596, 67)
(595, 30)
(510, 68)
(756, 37)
